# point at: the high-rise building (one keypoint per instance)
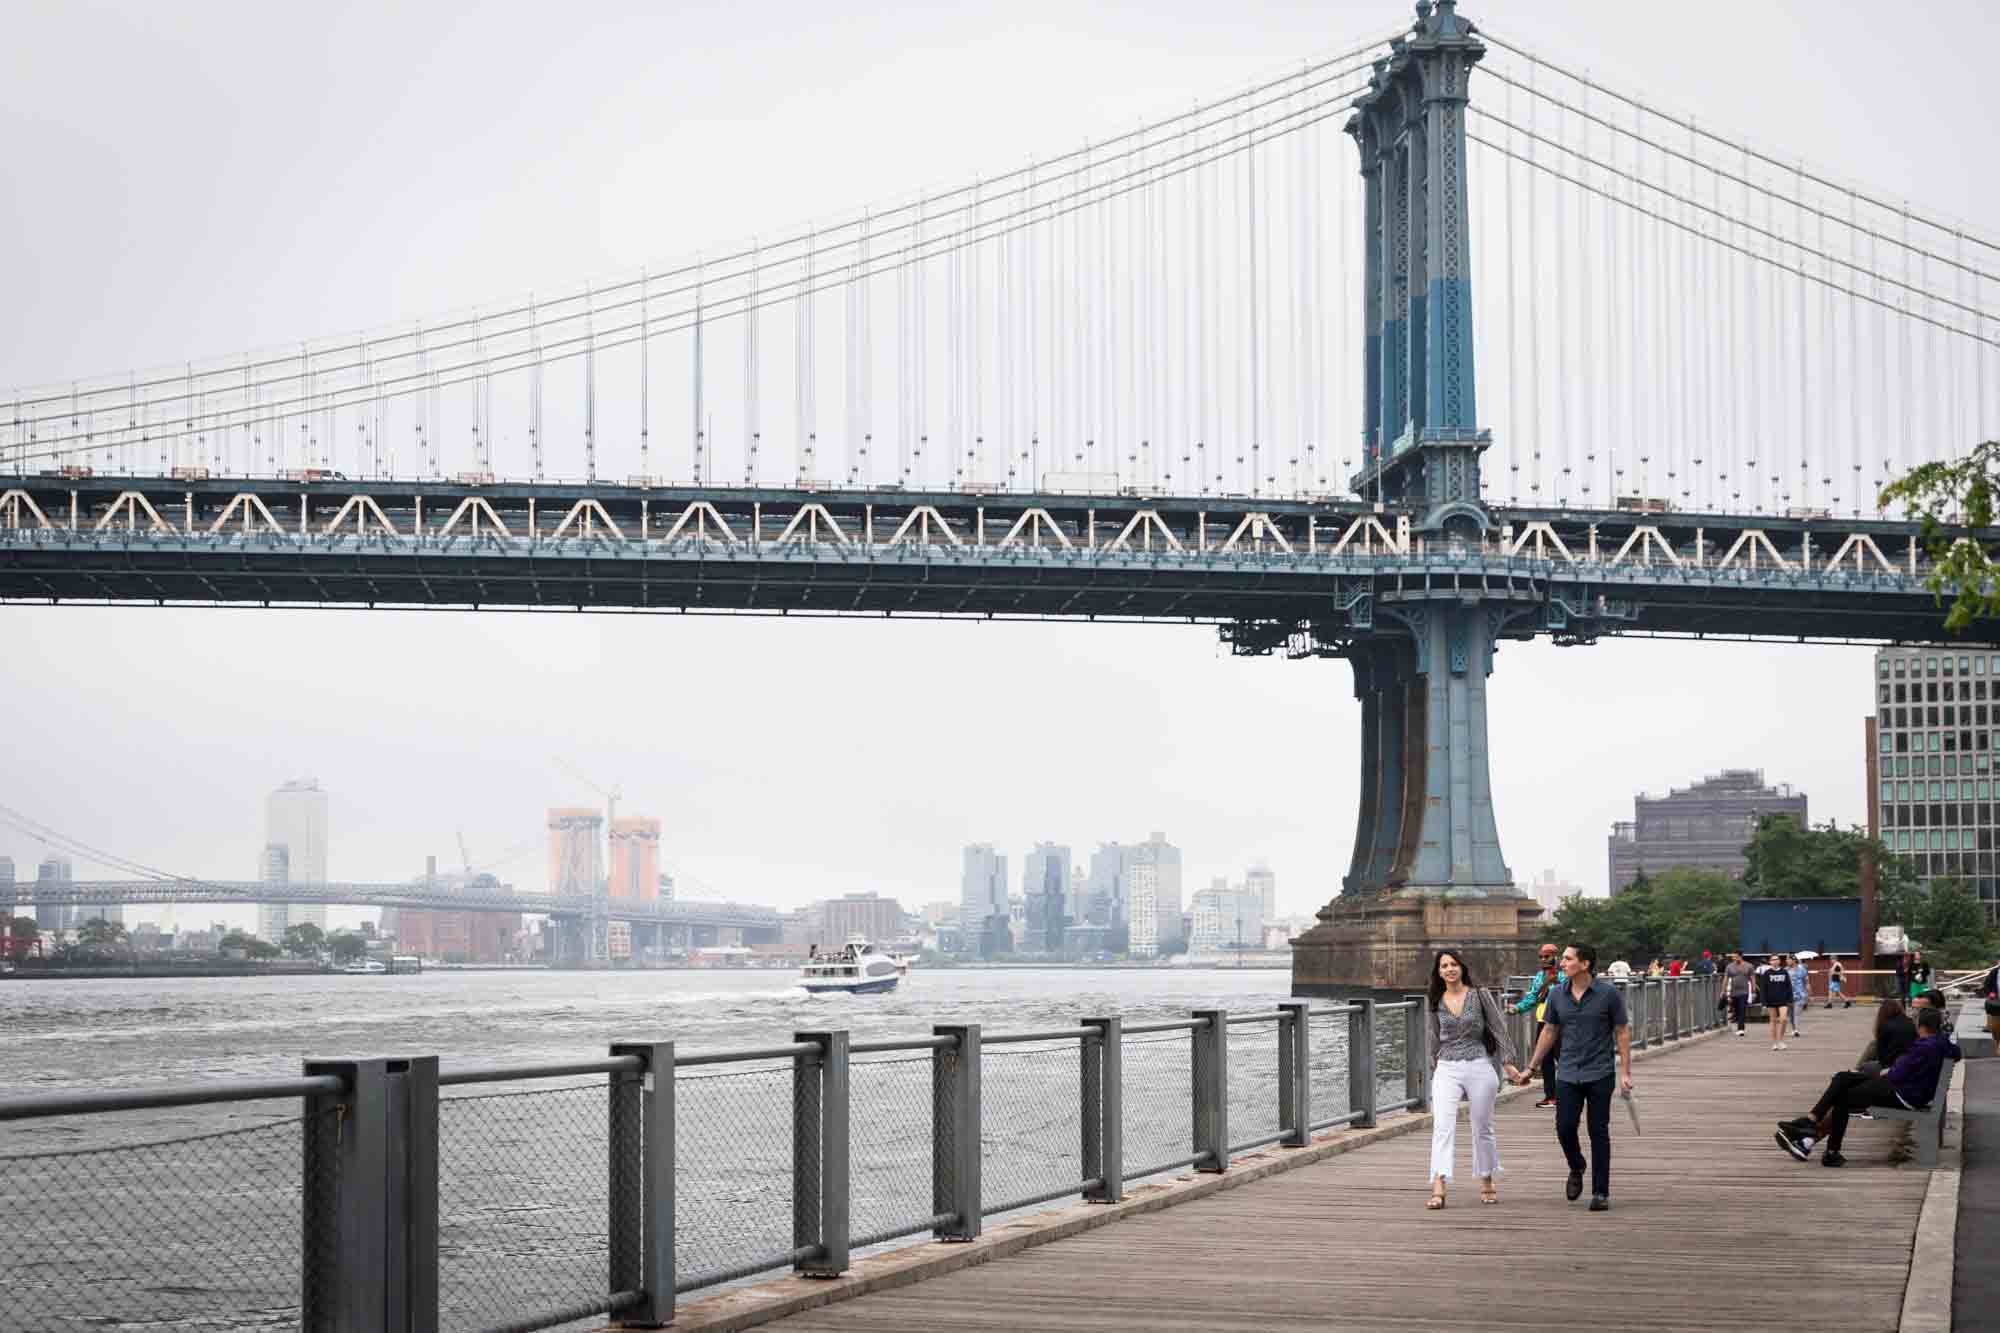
(1932, 768)
(1144, 902)
(635, 857)
(1706, 825)
(835, 921)
(1165, 859)
(1046, 909)
(6, 885)
(982, 899)
(1263, 881)
(53, 916)
(576, 856)
(295, 819)
(1105, 893)
(1550, 891)
(274, 919)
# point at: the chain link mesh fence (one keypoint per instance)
(1326, 1063)
(1030, 1123)
(195, 1232)
(1392, 1056)
(889, 1144)
(732, 1168)
(524, 1198)
(1159, 1101)
(1254, 1112)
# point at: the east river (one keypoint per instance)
(191, 1214)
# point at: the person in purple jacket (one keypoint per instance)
(1910, 1084)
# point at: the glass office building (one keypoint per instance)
(1932, 763)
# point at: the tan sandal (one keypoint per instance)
(1436, 1201)
(1487, 1193)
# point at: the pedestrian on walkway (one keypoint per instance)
(1801, 991)
(1917, 977)
(1909, 1084)
(1836, 985)
(1736, 981)
(1774, 992)
(1467, 1031)
(1587, 1020)
(1537, 1001)
(1705, 965)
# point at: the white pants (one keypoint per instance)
(1476, 1081)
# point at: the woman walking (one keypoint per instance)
(1836, 982)
(1775, 987)
(1466, 1033)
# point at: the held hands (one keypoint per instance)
(1514, 1076)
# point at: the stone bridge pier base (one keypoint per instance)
(1426, 869)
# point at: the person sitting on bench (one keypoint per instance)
(1908, 1085)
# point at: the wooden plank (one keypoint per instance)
(1346, 1243)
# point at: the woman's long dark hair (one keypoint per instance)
(1890, 1009)
(1437, 977)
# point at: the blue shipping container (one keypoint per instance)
(1828, 926)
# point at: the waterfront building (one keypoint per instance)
(1105, 892)
(1705, 825)
(1930, 764)
(7, 899)
(1046, 905)
(1226, 919)
(1144, 939)
(618, 936)
(982, 899)
(273, 919)
(635, 858)
(51, 918)
(940, 913)
(576, 853)
(295, 818)
(1165, 860)
(1263, 881)
(834, 921)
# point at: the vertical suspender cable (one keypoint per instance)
(1909, 385)
(589, 385)
(975, 348)
(1031, 455)
(1254, 384)
(1565, 256)
(1805, 401)
(1134, 441)
(1514, 441)
(752, 436)
(700, 383)
(645, 381)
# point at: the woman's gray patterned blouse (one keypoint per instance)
(1462, 1036)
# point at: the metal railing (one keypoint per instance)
(402, 1196)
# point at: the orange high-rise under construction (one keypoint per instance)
(635, 858)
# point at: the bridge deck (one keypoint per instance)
(1710, 1224)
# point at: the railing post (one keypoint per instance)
(1295, 1073)
(370, 1206)
(1416, 1044)
(819, 1154)
(1104, 1109)
(1361, 1090)
(1210, 1064)
(642, 1183)
(955, 1181)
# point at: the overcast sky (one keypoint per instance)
(199, 178)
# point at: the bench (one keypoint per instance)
(1927, 1124)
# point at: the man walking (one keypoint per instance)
(1586, 1017)
(1736, 981)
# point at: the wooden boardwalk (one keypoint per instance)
(1711, 1225)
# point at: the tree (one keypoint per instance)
(346, 946)
(1948, 499)
(98, 936)
(1682, 911)
(304, 940)
(1951, 926)
(252, 947)
(1786, 860)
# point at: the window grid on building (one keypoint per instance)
(1937, 739)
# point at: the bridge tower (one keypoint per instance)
(1427, 868)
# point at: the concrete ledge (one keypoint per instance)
(749, 1307)
(1927, 1296)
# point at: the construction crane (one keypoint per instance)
(465, 854)
(611, 797)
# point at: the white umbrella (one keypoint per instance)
(1805, 953)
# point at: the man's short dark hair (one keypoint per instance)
(1585, 954)
(1930, 1020)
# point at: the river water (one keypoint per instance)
(204, 1230)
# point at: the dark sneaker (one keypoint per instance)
(1795, 1143)
(1574, 1189)
(1830, 1158)
(1803, 1124)
(1599, 1204)
(1545, 1103)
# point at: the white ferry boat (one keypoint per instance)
(858, 969)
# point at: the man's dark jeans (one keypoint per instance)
(1739, 1010)
(1571, 1098)
(1846, 1092)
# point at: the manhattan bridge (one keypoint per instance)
(1221, 368)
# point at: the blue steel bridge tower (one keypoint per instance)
(1426, 866)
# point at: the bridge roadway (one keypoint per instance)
(498, 898)
(1711, 1226)
(1276, 573)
